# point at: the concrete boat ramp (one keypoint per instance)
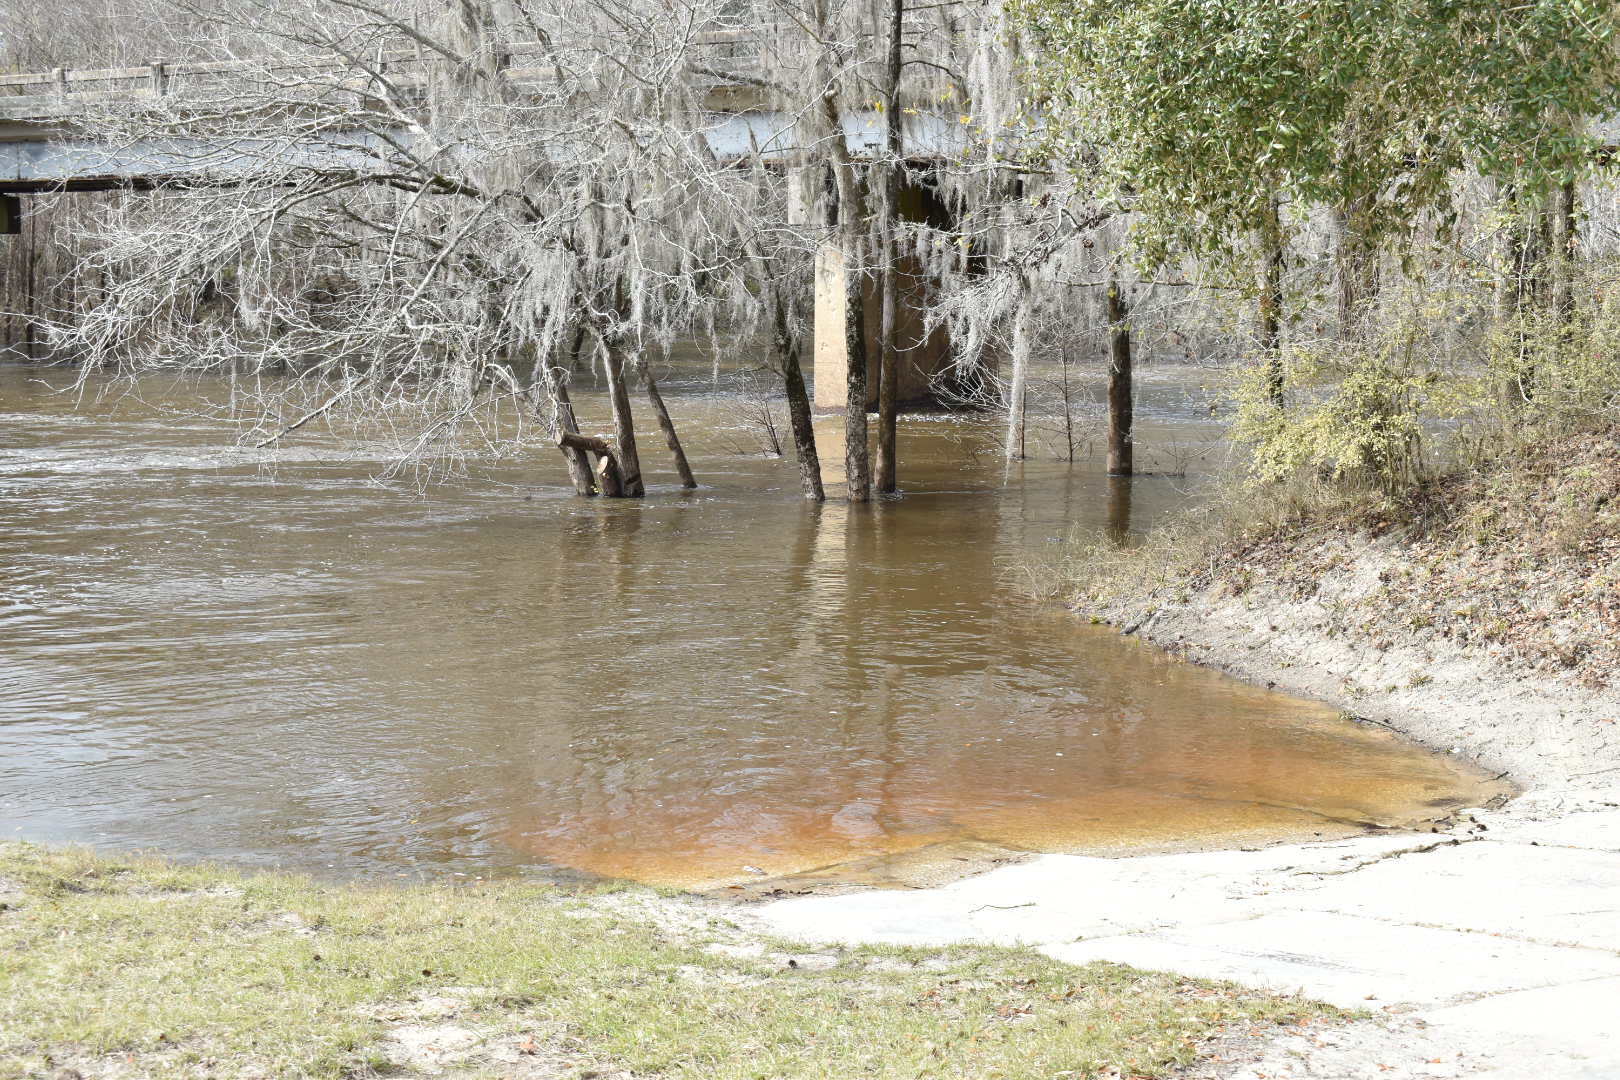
(1489, 950)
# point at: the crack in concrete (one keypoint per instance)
(1421, 849)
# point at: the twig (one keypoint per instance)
(307, 417)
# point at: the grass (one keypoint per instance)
(133, 966)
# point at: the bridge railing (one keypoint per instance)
(47, 90)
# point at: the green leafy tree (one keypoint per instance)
(1204, 115)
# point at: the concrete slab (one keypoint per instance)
(1595, 830)
(1553, 895)
(1576, 1025)
(1507, 941)
(1060, 898)
(1348, 961)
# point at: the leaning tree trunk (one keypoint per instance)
(624, 432)
(1119, 384)
(889, 371)
(559, 413)
(786, 348)
(665, 424)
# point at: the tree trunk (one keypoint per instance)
(851, 219)
(576, 354)
(624, 432)
(1119, 510)
(1566, 238)
(1020, 372)
(1357, 271)
(30, 295)
(786, 348)
(856, 464)
(1271, 303)
(609, 477)
(889, 372)
(1518, 289)
(1119, 384)
(561, 421)
(665, 424)
(1065, 364)
(857, 471)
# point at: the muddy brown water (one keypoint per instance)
(304, 667)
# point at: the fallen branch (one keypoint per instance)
(609, 477)
(319, 410)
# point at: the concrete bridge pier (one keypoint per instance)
(923, 354)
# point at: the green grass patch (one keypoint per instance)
(135, 966)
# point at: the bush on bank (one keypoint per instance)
(1477, 453)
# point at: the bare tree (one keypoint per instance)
(416, 218)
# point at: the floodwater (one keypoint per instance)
(301, 666)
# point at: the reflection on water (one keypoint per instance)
(305, 668)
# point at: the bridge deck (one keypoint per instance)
(42, 148)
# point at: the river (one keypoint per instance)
(272, 658)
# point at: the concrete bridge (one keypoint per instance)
(43, 150)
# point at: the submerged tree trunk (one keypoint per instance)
(1020, 371)
(1065, 365)
(857, 471)
(1119, 384)
(785, 346)
(848, 212)
(624, 432)
(609, 477)
(1119, 510)
(857, 467)
(665, 424)
(1271, 302)
(559, 414)
(889, 372)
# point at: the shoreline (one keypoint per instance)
(1491, 949)
(1542, 733)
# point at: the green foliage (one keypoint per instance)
(1363, 424)
(1200, 113)
(1379, 413)
(1563, 367)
